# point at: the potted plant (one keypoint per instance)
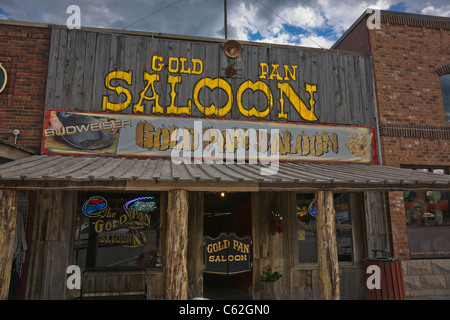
(270, 285)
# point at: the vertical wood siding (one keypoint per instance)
(81, 59)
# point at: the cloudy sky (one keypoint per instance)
(296, 22)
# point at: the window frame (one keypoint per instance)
(446, 170)
(354, 210)
(444, 74)
(77, 244)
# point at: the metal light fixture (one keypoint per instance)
(232, 49)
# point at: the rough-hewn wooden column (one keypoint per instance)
(175, 266)
(8, 216)
(327, 257)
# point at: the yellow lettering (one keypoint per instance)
(316, 146)
(183, 70)
(144, 135)
(126, 76)
(213, 84)
(282, 145)
(172, 109)
(98, 226)
(263, 141)
(275, 73)
(264, 70)
(299, 105)
(302, 145)
(150, 79)
(171, 60)
(330, 143)
(49, 132)
(161, 141)
(291, 74)
(258, 85)
(157, 66)
(195, 63)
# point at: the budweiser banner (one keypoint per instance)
(208, 139)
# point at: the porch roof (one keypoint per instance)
(125, 173)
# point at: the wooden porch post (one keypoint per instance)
(8, 216)
(175, 266)
(327, 257)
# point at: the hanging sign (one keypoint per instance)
(227, 254)
(3, 78)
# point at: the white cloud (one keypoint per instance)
(431, 10)
(303, 17)
(341, 17)
(322, 21)
(315, 41)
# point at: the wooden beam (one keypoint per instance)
(8, 216)
(195, 243)
(327, 257)
(175, 266)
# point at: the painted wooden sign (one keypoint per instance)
(205, 139)
(136, 74)
(3, 78)
(227, 254)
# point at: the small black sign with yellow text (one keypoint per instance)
(227, 254)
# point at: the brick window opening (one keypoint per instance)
(445, 86)
(428, 220)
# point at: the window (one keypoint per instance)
(428, 221)
(306, 227)
(117, 230)
(445, 86)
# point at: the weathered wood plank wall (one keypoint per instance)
(280, 251)
(195, 244)
(8, 218)
(80, 61)
(51, 246)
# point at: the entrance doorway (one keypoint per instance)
(226, 212)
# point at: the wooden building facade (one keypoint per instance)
(140, 168)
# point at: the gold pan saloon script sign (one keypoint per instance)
(185, 78)
(204, 138)
(227, 254)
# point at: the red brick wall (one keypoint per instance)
(358, 39)
(409, 99)
(406, 53)
(397, 223)
(405, 60)
(24, 54)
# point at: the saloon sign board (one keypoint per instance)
(204, 139)
(227, 254)
(145, 96)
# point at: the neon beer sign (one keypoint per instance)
(94, 206)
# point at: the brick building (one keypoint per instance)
(87, 73)
(411, 63)
(26, 60)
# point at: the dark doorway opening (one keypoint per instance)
(227, 212)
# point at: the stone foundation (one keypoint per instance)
(426, 278)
